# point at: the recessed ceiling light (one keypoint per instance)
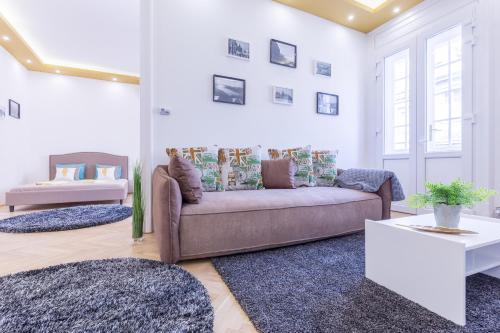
(372, 4)
(6, 38)
(29, 61)
(115, 79)
(58, 71)
(350, 17)
(396, 10)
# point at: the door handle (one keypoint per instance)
(470, 116)
(431, 132)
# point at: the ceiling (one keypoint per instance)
(366, 15)
(101, 38)
(94, 35)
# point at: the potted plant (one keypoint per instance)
(138, 205)
(448, 200)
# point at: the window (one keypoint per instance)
(444, 91)
(397, 103)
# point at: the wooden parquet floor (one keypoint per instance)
(22, 252)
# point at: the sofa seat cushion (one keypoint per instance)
(230, 222)
(241, 201)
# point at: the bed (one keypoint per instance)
(87, 190)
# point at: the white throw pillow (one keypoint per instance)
(65, 174)
(106, 173)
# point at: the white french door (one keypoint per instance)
(425, 108)
(444, 117)
(396, 101)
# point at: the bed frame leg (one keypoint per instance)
(11, 209)
(121, 202)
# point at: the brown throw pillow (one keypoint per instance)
(188, 178)
(278, 173)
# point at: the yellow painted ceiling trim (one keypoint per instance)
(364, 18)
(14, 43)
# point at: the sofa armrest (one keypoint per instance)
(167, 205)
(385, 193)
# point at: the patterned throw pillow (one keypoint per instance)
(205, 159)
(241, 168)
(304, 176)
(105, 173)
(66, 174)
(325, 167)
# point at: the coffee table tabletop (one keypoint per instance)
(488, 229)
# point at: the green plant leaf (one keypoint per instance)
(456, 193)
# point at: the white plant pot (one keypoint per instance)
(447, 216)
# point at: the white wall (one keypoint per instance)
(190, 41)
(62, 114)
(496, 96)
(13, 132)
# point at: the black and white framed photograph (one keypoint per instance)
(322, 68)
(229, 90)
(327, 104)
(14, 109)
(238, 49)
(283, 54)
(283, 95)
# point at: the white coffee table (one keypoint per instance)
(429, 268)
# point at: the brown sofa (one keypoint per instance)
(241, 221)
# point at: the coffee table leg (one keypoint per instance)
(426, 270)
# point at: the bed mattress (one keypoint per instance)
(48, 192)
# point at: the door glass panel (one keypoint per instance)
(441, 106)
(397, 103)
(444, 91)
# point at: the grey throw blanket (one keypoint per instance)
(370, 180)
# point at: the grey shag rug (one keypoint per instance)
(65, 218)
(116, 295)
(320, 287)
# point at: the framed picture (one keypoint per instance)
(14, 109)
(327, 104)
(229, 90)
(322, 68)
(283, 95)
(283, 54)
(238, 49)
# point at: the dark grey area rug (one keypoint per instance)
(320, 287)
(116, 295)
(65, 218)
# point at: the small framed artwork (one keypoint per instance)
(322, 69)
(14, 109)
(283, 54)
(228, 90)
(238, 49)
(327, 104)
(282, 95)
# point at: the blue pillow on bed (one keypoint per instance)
(118, 169)
(79, 166)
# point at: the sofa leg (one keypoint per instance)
(11, 209)
(121, 202)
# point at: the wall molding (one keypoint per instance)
(17, 46)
